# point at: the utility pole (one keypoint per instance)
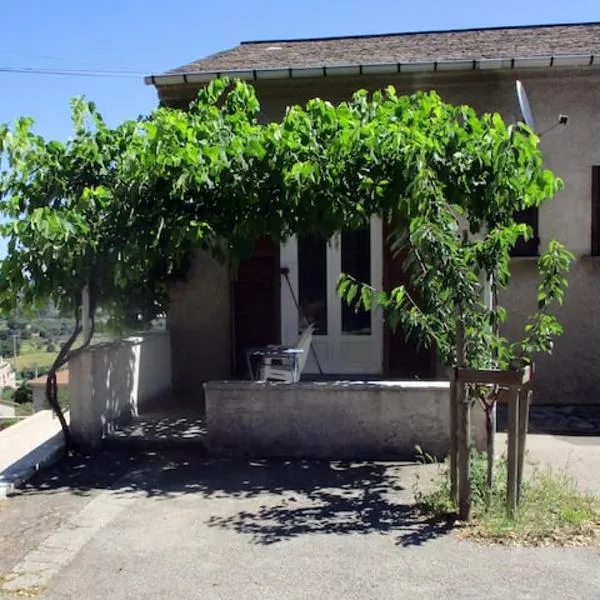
(14, 337)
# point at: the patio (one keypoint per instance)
(171, 422)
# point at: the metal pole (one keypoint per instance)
(286, 273)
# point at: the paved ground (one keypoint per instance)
(568, 420)
(51, 499)
(577, 455)
(177, 525)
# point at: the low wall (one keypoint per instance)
(110, 383)
(38, 389)
(338, 420)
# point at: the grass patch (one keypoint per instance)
(34, 353)
(40, 359)
(7, 422)
(24, 410)
(552, 511)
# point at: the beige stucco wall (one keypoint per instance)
(573, 374)
(109, 383)
(199, 320)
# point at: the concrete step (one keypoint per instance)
(155, 431)
(144, 444)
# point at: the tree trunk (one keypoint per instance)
(490, 407)
(63, 357)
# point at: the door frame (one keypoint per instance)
(332, 361)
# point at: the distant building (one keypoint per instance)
(38, 386)
(7, 375)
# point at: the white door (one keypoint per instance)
(345, 341)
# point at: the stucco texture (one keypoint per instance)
(199, 320)
(110, 383)
(335, 420)
(570, 375)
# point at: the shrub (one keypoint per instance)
(23, 394)
(552, 508)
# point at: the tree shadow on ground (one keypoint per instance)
(270, 500)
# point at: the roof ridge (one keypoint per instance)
(426, 32)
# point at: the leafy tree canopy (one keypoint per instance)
(120, 210)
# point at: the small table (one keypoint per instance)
(283, 352)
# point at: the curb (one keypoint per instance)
(25, 468)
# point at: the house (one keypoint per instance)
(7, 375)
(217, 313)
(38, 388)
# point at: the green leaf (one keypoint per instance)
(366, 296)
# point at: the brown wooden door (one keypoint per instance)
(256, 305)
(402, 358)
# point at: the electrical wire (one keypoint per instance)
(90, 65)
(70, 72)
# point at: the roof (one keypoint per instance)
(62, 378)
(564, 40)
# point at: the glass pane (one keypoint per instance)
(356, 261)
(312, 281)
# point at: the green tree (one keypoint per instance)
(65, 230)
(23, 394)
(7, 347)
(213, 177)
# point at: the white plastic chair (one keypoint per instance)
(286, 364)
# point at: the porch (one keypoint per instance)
(121, 393)
(281, 288)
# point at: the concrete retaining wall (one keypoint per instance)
(110, 383)
(338, 420)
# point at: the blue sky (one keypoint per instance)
(146, 36)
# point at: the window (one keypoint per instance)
(312, 281)
(356, 262)
(531, 246)
(595, 246)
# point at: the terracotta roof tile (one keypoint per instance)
(62, 378)
(473, 44)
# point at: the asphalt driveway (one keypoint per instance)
(179, 526)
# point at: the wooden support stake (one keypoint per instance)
(524, 402)
(454, 438)
(490, 425)
(513, 450)
(495, 376)
(464, 444)
(463, 429)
